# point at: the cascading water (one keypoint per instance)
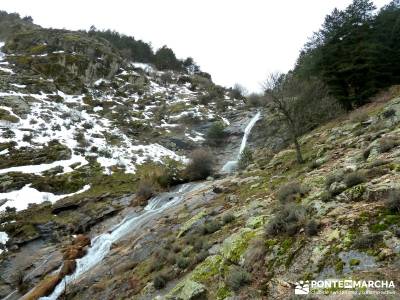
(230, 166)
(101, 244)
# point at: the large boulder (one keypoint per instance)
(189, 290)
(68, 268)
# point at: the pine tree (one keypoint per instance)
(165, 59)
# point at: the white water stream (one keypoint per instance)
(231, 165)
(101, 245)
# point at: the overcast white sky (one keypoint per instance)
(236, 41)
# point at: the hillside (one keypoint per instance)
(235, 236)
(82, 125)
(143, 179)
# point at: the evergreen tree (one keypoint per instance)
(165, 59)
(356, 52)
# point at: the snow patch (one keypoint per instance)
(143, 66)
(225, 121)
(37, 169)
(6, 70)
(3, 240)
(21, 86)
(22, 198)
(97, 108)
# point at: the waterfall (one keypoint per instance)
(231, 165)
(101, 245)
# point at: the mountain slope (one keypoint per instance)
(228, 238)
(85, 133)
(80, 127)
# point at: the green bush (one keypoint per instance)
(216, 134)
(200, 244)
(210, 227)
(387, 144)
(237, 278)
(353, 179)
(326, 196)
(170, 173)
(145, 190)
(311, 228)
(288, 220)
(393, 201)
(254, 255)
(367, 241)
(159, 282)
(214, 94)
(389, 113)
(228, 218)
(182, 262)
(156, 264)
(201, 256)
(255, 100)
(366, 153)
(289, 192)
(246, 158)
(200, 165)
(331, 178)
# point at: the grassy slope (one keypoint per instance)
(276, 261)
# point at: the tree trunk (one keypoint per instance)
(299, 156)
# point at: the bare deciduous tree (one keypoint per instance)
(281, 94)
(301, 105)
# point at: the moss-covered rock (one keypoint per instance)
(206, 270)
(14, 181)
(53, 151)
(5, 115)
(235, 245)
(355, 193)
(187, 290)
(188, 224)
(256, 222)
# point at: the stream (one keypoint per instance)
(101, 244)
(231, 165)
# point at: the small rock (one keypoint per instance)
(217, 189)
(68, 267)
(54, 171)
(73, 253)
(189, 290)
(385, 253)
(81, 240)
(255, 222)
(74, 165)
(337, 187)
(231, 198)
(214, 249)
(3, 201)
(256, 185)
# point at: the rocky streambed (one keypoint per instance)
(41, 255)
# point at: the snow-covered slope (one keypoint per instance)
(119, 122)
